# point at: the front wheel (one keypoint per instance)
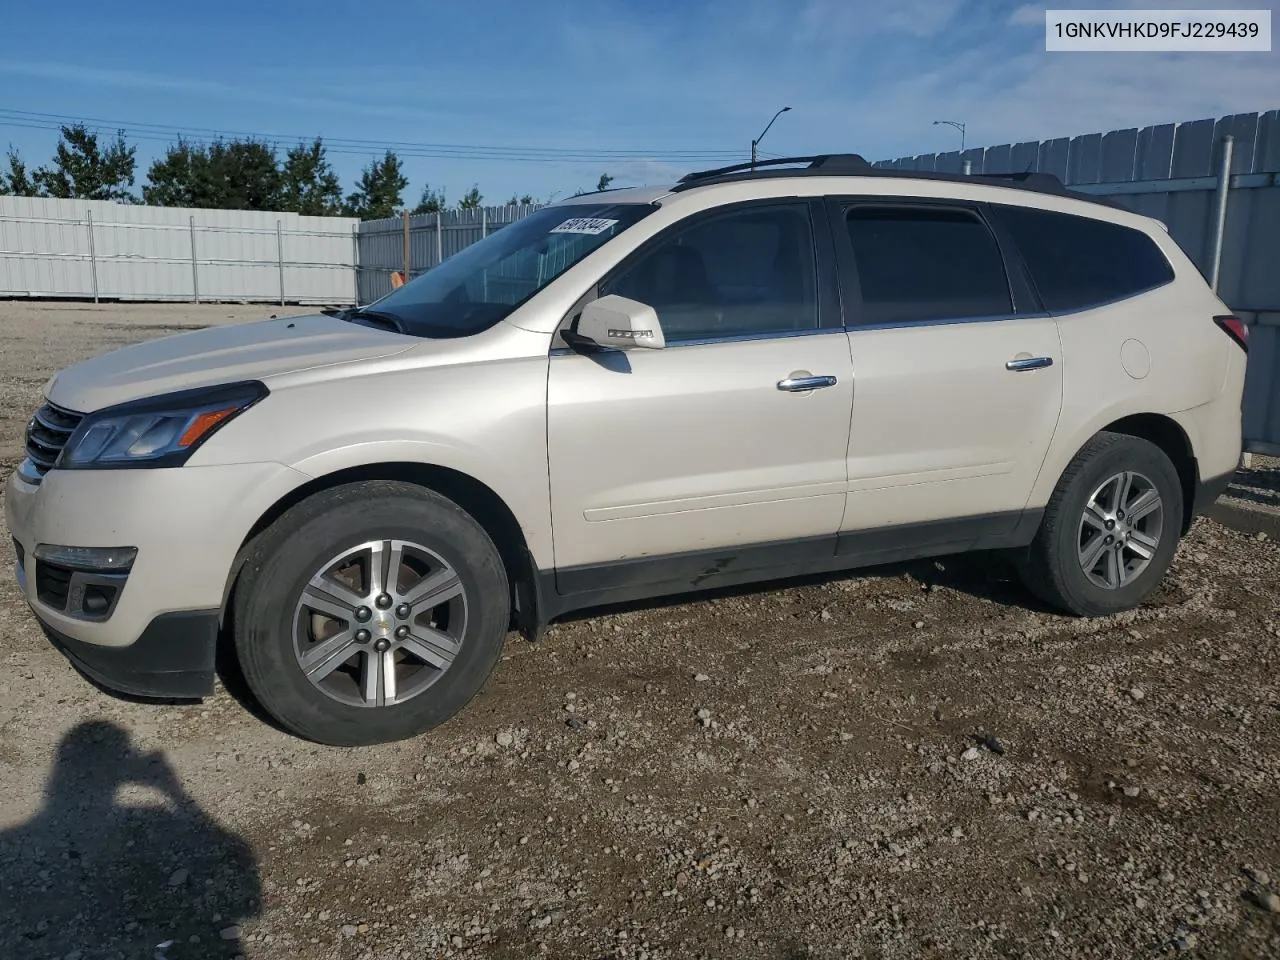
(1110, 530)
(369, 613)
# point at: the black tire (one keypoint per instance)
(1053, 568)
(299, 543)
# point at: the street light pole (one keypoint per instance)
(953, 123)
(756, 142)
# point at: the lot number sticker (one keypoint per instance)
(588, 225)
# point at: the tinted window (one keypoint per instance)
(746, 272)
(919, 263)
(1077, 262)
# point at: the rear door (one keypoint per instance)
(957, 373)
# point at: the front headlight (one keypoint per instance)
(157, 431)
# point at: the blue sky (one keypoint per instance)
(652, 78)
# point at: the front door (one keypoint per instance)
(957, 375)
(733, 436)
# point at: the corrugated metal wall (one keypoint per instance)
(88, 248)
(430, 235)
(1170, 172)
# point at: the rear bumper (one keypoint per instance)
(173, 657)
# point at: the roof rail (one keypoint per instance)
(852, 164)
(826, 162)
(1046, 182)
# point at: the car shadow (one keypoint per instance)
(121, 861)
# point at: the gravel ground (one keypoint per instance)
(915, 761)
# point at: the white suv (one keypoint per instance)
(757, 372)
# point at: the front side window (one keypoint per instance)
(1077, 262)
(747, 272)
(485, 282)
(920, 264)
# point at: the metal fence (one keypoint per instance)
(91, 249)
(421, 241)
(1229, 225)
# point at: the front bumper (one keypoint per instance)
(173, 658)
(187, 524)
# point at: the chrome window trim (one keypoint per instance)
(947, 321)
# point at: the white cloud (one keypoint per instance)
(1037, 96)
(1028, 15)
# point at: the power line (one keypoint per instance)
(153, 132)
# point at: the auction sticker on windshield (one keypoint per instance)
(592, 226)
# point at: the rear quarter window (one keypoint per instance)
(1077, 262)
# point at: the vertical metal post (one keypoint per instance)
(93, 256)
(1220, 212)
(406, 246)
(355, 264)
(484, 223)
(280, 258)
(967, 168)
(439, 237)
(195, 270)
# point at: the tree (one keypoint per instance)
(309, 184)
(17, 183)
(82, 170)
(604, 182)
(471, 199)
(223, 175)
(377, 193)
(431, 202)
(245, 175)
(179, 178)
(525, 201)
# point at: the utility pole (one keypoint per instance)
(756, 142)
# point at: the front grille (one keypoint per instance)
(47, 433)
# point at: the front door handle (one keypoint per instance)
(801, 384)
(1028, 363)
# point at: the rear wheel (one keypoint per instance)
(1110, 530)
(371, 612)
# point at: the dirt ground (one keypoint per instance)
(915, 761)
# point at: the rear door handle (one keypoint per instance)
(1028, 363)
(801, 384)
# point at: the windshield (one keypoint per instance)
(485, 282)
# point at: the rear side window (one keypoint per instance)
(1077, 262)
(917, 264)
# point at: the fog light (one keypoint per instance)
(92, 559)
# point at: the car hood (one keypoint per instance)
(225, 354)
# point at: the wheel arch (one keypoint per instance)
(1157, 428)
(474, 496)
(1167, 434)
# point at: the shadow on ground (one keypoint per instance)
(121, 862)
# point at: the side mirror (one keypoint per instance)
(617, 322)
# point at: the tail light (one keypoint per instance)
(1234, 328)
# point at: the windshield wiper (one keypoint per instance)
(374, 318)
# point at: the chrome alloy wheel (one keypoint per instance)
(380, 623)
(1120, 530)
